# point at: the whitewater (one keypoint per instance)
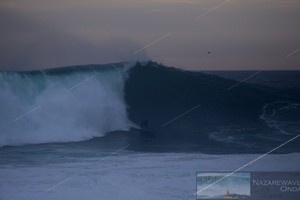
(62, 106)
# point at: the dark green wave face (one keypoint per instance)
(159, 108)
(192, 110)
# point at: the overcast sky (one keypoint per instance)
(240, 34)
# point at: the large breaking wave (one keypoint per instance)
(79, 103)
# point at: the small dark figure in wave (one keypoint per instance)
(144, 124)
(145, 131)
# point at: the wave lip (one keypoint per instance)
(62, 105)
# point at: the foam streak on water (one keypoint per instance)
(127, 175)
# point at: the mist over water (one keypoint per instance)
(62, 105)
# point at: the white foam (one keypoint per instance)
(61, 108)
(283, 116)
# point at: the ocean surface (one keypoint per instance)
(140, 130)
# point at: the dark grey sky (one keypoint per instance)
(240, 34)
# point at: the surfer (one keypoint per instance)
(145, 131)
(144, 124)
